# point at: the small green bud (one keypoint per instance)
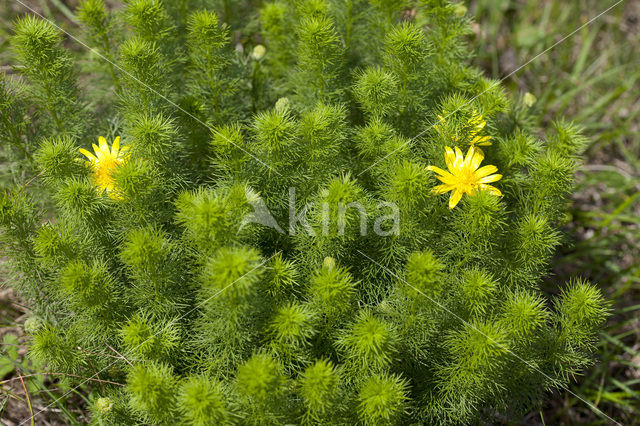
(329, 262)
(258, 52)
(104, 405)
(205, 34)
(79, 197)
(209, 216)
(460, 10)
(480, 219)
(529, 99)
(89, 285)
(55, 244)
(520, 148)
(567, 140)
(148, 339)
(283, 104)
(32, 325)
(57, 348)
(339, 216)
(149, 19)
(409, 184)
(405, 44)
(154, 137)
(324, 127)
(146, 250)
(37, 45)
(136, 179)
(535, 239)
(478, 346)
(226, 140)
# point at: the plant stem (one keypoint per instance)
(54, 115)
(107, 51)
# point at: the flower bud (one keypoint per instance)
(329, 262)
(460, 10)
(258, 52)
(529, 99)
(283, 104)
(32, 325)
(104, 405)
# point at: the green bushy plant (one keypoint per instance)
(261, 238)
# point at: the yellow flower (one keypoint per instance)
(477, 123)
(437, 127)
(473, 127)
(464, 176)
(104, 163)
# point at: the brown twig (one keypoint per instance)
(97, 374)
(33, 178)
(26, 394)
(121, 356)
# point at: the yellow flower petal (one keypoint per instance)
(438, 170)
(455, 198)
(448, 179)
(480, 140)
(459, 160)
(442, 175)
(98, 151)
(477, 158)
(471, 158)
(89, 155)
(485, 171)
(102, 142)
(449, 156)
(115, 148)
(441, 189)
(491, 189)
(490, 178)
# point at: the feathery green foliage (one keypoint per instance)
(359, 296)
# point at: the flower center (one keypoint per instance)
(104, 170)
(468, 180)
